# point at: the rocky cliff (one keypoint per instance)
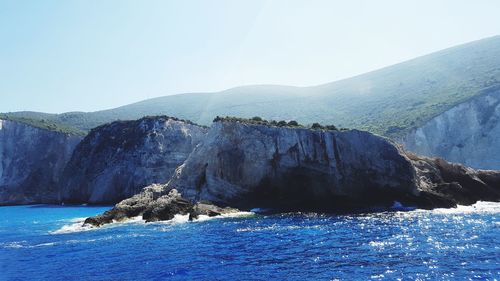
(115, 161)
(31, 161)
(469, 133)
(249, 165)
(244, 165)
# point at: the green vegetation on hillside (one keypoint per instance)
(43, 124)
(390, 101)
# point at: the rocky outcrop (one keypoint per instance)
(246, 165)
(31, 162)
(444, 184)
(115, 161)
(149, 202)
(469, 133)
(153, 206)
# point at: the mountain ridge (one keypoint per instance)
(390, 101)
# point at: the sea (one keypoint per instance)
(48, 242)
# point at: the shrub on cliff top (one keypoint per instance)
(281, 123)
(317, 126)
(256, 120)
(331, 127)
(154, 117)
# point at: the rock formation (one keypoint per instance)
(242, 165)
(444, 184)
(152, 205)
(469, 133)
(115, 161)
(246, 165)
(31, 161)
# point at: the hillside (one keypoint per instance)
(390, 101)
(43, 121)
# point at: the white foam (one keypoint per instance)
(137, 219)
(202, 218)
(45, 244)
(22, 244)
(72, 228)
(78, 225)
(182, 219)
(479, 207)
(179, 219)
(77, 241)
(237, 215)
(13, 245)
(77, 219)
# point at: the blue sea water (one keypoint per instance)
(45, 242)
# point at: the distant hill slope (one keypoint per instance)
(390, 101)
(43, 121)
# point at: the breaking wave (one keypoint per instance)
(77, 224)
(478, 207)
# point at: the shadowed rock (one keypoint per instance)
(166, 207)
(451, 183)
(31, 162)
(210, 210)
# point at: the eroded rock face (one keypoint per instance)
(444, 184)
(246, 166)
(31, 162)
(115, 161)
(469, 134)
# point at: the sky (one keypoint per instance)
(70, 55)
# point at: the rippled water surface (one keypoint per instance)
(46, 243)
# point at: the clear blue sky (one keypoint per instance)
(64, 55)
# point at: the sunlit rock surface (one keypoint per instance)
(469, 134)
(244, 164)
